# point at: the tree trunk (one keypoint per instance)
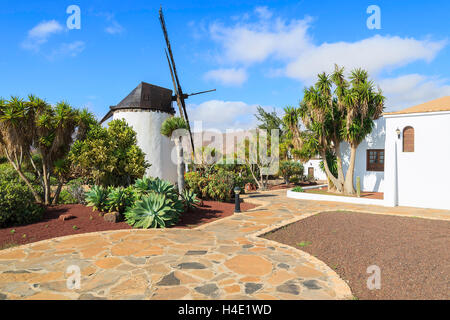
(337, 183)
(46, 176)
(57, 192)
(22, 176)
(348, 184)
(180, 164)
(339, 162)
(254, 177)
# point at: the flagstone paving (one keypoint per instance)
(222, 260)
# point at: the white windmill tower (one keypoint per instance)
(146, 108)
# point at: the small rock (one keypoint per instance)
(112, 217)
(252, 287)
(283, 266)
(196, 252)
(191, 265)
(289, 287)
(169, 280)
(17, 271)
(247, 246)
(66, 216)
(208, 289)
(311, 284)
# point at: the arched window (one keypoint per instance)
(408, 139)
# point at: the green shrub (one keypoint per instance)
(298, 189)
(119, 199)
(96, 198)
(154, 211)
(164, 187)
(217, 185)
(143, 186)
(17, 206)
(65, 197)
(289, 169)
(189, 199)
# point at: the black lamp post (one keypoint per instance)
(237, 203)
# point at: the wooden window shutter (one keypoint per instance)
(408, 139)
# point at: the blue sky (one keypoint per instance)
(253, 52)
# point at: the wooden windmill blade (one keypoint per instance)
(177, 86)
(180, 108)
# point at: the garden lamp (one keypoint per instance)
(237, 203)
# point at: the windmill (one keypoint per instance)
(179, 96)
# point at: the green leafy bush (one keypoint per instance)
(189, 199)
(109, 156)
(298, 189)
(65, 197)
(154, 211)
(17, 204)
(289, 169)
(217, 185)
(96, 198)
(119, 199)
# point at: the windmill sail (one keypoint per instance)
(177, 86)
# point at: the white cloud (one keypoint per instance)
(290, 43)
(412, 89)
(114, 28)
(67, 49)
(263, 12)
(228, 77)
(222, 115)
(39, 35)
(249, 43)
(373, 54)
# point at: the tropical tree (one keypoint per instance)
(170, 128)
(335, 110)
(291, 123)
(108, 156)
(35, 125)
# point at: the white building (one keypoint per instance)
(145, 109)
(407, 156)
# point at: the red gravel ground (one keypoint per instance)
(87, 220)
(412, 253)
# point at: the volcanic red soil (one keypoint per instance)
(85, 220)
(412, 253)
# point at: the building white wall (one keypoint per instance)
(420, 178)
(371, 181)
(159, 150)
(318, 173)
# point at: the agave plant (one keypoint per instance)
(143, 186)
(96, 198)
(190, 200)
(116, 200)
(164, 187)
(154, 211)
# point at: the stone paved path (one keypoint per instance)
(222, 260)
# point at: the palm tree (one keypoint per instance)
(363, 104)
(170, 128)
(37, 125)
(345, 114)
(291, 122)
